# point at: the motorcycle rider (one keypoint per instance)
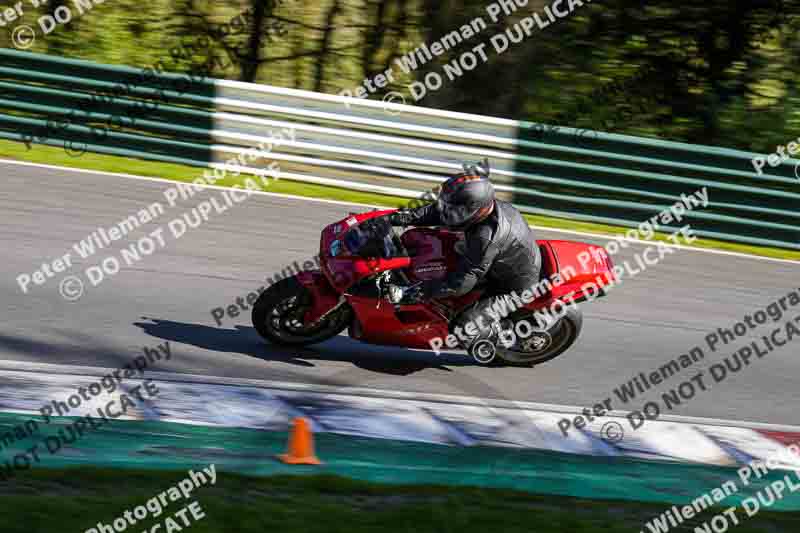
(500, 250)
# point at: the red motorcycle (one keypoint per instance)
(360, 266)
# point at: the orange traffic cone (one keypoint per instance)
(301, 445)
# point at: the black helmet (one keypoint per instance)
(468, 197)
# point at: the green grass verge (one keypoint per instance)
(77, 499)
(106, 163)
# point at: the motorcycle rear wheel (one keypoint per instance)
(278, 316)
(546, 345)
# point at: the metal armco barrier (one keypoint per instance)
(394, 149)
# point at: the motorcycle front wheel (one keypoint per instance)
(278, 316)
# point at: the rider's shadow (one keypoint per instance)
(245, 340)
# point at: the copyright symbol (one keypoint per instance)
(390, 98)
(71, 288)
(612, 432)
(69, 148)
(23, 37)
(483, 351)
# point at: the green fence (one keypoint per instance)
(115, 110)
(391, 148)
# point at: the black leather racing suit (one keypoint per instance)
(500, 250)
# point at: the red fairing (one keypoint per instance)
(342, 269)
(583, 267)
(571, 271)
(323, 296)
(412, 326)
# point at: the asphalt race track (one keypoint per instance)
(646, 322)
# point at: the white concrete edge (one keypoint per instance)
(90, 371)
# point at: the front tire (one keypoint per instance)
(545, 345)
(278, 316)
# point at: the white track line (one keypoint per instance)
(342, 202)
(55, 369)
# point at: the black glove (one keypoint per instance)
(371, 238)
(377, 227)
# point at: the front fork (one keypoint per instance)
(324, 298)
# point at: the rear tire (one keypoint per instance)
(544, 346)
(278, 316)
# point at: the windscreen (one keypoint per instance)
(372, 239)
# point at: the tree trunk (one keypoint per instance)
(327, 37)
(252, 57)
